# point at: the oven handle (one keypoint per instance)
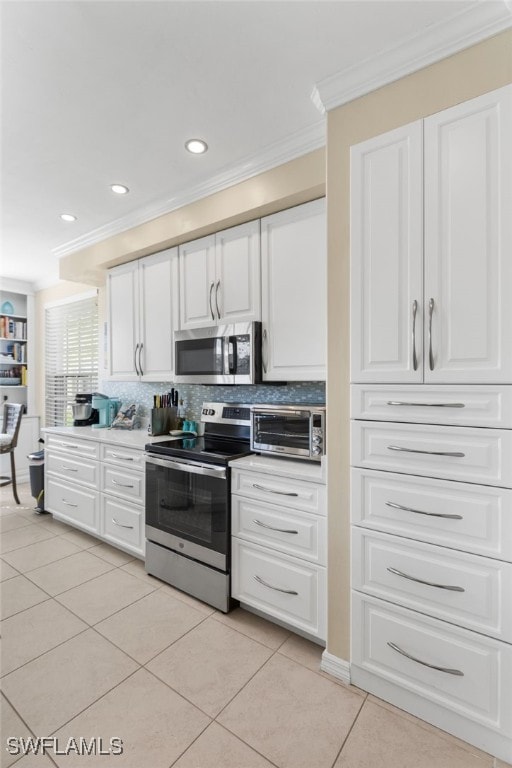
(194, 469)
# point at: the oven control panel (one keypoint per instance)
(226, 413)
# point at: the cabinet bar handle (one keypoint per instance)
(427, 583)
(264, 357)
(414, 357)
(212, 285)
(421, 512)
(124, 458)
(447, 670)
(217, 298)
(280, 530)
(121, 524)
(70, 445)
(430, 353)
(68, 503)
(271, 490)
(135, 360)
(427, 405)
(69, 469)
(456, 454)
(121, 485)
(277, 589)
(140, 360)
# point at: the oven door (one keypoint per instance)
(204, 355)
(283, 432)
(188, 509)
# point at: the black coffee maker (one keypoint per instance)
(84, 415)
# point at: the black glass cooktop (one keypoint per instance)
(213, 450)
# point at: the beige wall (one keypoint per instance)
(62, 290)
(289, 184)
(479, 69)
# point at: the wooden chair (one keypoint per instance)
(9, 440)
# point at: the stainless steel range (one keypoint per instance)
(188, 504)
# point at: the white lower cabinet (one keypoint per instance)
(279, 544)
(98, 488)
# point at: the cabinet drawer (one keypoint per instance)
(479, 693)
(73, 445)
(473, 591)
(472, 518)
(83, 471)
(130, 458)
(78, 505)
(122, 523)
(470, 406)
(123, 484)
(297, 494)
(290, 590)
(455, 453)
(294, 533)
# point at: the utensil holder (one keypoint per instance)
(162, 420)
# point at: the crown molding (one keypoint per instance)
(13, 285)
(436, 42)
(299, 143)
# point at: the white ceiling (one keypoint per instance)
(101, 92)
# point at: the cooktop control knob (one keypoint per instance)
(211, 412)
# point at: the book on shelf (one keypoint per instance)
(12, 329)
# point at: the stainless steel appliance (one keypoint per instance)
(188, 504)
(222, 354)
(297, 431)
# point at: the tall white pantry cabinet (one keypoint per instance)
(431, 409)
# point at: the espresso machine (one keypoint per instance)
(84, 415)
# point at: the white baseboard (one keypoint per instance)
(336, 667)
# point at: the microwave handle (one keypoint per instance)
(234, 365)
(225, 355)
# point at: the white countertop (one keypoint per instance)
(129, 438)
(309, 471)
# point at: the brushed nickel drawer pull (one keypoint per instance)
(121, 485)
(427, 405)
(421, 512)
(69, 469)
(427, 583)
(271, 490)
(414, 356)
(277, 589)
(456, 454)
(447, 670)
(68, 503)
(124, 458)
(121, 524)
(280, 530)
(71, 445)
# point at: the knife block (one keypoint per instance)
(162, 420)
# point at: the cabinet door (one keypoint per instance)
(197, 283)
(158, 280)
(294, 293)
(123, 321)
(237, 294)
(386, 190)
(468, 241)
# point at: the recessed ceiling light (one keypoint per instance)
(119, 189)
(67, 217)
(196, 146)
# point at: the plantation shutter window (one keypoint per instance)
(71, 356)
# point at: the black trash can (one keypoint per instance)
(36, 470)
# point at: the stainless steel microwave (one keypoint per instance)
(297, 431)
(221, 354)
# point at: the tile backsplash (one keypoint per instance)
(194, 395)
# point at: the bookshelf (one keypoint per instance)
(15, 320)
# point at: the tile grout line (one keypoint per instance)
(27, 727)
(349, 731)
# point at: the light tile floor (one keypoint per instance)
(94, 647)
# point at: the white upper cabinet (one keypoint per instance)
(220, 278)
(457, 327)
(387, 257)
(468, 241)
(143, 314)
(294, 293)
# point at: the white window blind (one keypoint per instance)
(71, 357)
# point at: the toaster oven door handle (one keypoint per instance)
(193, 469)
(277, 412)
